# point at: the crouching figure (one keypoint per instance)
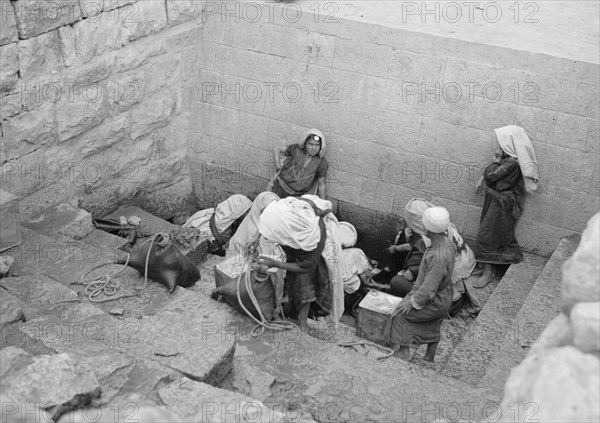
(420, 315)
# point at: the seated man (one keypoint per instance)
(420, 314)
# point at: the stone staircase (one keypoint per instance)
(159, 347)
(178, 350)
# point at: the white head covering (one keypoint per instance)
(247, 232)
(436, 220)
(230, 210)
(514, 141)
(314, 131)
(291, 222)
(413, 214)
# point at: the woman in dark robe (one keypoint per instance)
(513, 171)
(301, 233)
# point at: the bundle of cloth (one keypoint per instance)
(247, 232)
(464, 262)
(220, 223)
(308, 232)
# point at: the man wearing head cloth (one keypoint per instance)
(420, 314)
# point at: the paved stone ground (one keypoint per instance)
(186, 341)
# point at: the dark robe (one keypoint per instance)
(504, 194)
(295, 178)
(312, 286)
(433, 293)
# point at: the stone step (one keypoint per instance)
(138, 355)
(156, 327)
(333, 383)
(61, 219)
(199, 402)
(473, 354)
(149, 223)
(194, 249)
(66, 260)
(305, 376)
(73, 222)
(540, 307)
(40, 295)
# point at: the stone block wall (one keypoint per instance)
(167, 101)
(95, 102)
(559, 381)
(405, 114)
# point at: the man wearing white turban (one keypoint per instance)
(420, 314)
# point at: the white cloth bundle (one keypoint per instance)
(354, 262)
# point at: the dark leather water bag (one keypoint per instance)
(163, 262)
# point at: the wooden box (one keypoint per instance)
(374, 312)
(10, 221)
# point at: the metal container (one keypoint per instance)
(374, 311)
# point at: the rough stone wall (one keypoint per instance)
(93, 100)
(559, 381)
(269, 73)
(103, 101)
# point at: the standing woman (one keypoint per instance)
(512, 173)
(304, 170)
(298, 226)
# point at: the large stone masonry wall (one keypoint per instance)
(264, 75)
(95, 102)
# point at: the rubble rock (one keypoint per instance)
(205, 403)
(52, 381)
(558, 385)
(11, 310)
(585, 318)
(581, 273)
(126, 412)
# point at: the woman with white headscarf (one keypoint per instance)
(512, 173)
(304, 169)
(247, 233)
(304, 227)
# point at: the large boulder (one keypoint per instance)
(585, 318)
(558, 385)
(581, 273)
(55, 383)
(558, 333)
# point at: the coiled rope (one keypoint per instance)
(263, 323)
(109, 287)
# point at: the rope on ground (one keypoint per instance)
(263, 323)
(389, 352)
(109, 287)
